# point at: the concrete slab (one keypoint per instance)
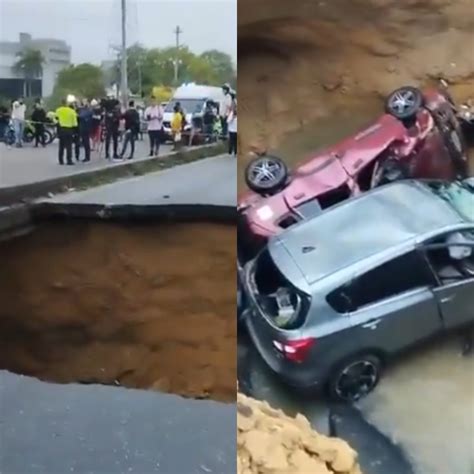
(209, 181)
(49, 428)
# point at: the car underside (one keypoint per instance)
(419, 136)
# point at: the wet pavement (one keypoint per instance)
(47, 428)
(423, 407)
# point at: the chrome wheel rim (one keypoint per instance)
(265, 172)
(356, 380)
(402, 101)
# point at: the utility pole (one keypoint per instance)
(139, 65)
(123, 68)
(177, 32)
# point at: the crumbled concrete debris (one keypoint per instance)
(269, 442)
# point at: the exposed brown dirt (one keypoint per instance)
(139, 306)
(302, 62)
(269, 442)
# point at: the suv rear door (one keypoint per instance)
(392, 306)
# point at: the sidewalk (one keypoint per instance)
(29, 165)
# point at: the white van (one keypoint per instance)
(193, 98)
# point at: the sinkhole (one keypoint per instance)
(135, 305)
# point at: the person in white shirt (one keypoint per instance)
(232, 125)
(224, 108)
(18, 119)
(154, 117)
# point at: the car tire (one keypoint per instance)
(266, 174)
(343, 385)
(404, 103)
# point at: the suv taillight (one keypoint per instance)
(296, 350)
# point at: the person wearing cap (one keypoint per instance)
(224, 108)
(67, 123)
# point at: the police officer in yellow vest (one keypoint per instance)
(67, 123)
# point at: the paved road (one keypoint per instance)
(29, 164)
(52, 429)
(209, 181)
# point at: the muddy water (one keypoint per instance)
(140, 306)
(425, 402)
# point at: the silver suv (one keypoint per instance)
(332, 299)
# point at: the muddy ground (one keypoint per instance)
(140, 306)
(304, 62)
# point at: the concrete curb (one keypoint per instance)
(83, 179)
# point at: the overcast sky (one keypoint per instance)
(92, 26)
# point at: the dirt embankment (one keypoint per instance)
(269, 442)
(139, 306)
(307, 60)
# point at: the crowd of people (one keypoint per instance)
(83, 126)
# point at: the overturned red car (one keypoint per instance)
(419, 136)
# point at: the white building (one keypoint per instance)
(57, 56)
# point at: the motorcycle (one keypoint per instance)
(9, 134)
(29, 133)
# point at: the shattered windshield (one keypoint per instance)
(460, 196)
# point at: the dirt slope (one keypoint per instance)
(269, 442)
(306, 60)
(139, 306)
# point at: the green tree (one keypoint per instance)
(222, 65)
(83, 80)
(30, 66)
(148, 68)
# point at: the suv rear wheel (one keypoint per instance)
(355, 378)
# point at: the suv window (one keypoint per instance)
(451, 256)
(404, 273)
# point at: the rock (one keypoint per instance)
(269, 442)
